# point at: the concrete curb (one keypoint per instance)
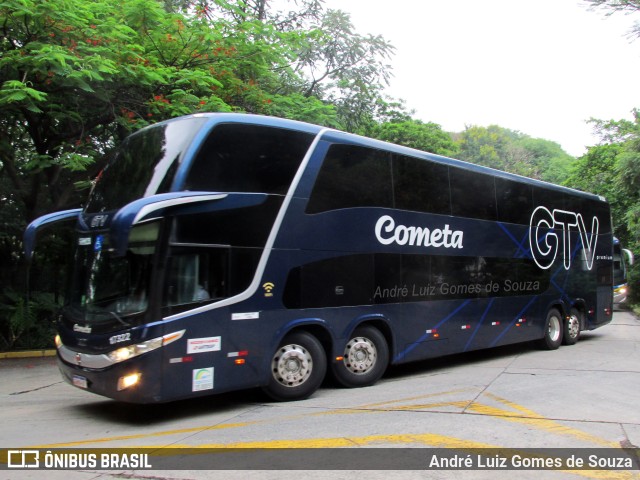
(28, 354)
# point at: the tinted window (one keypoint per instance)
(472, 194)
(248, 158)
(352, 176)
(605, 275)
(197, 275)
(369, 279)
(515, 201)
(246, 227)
(551, 199)
(143, 165)
(591, 208)
(420, 185)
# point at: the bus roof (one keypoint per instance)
(333, 135)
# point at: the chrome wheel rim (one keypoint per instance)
(573, 326)
(360, 355)
(554, 328)
(291, 365)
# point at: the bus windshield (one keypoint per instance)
(144, 164)
(106, 288)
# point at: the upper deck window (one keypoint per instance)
(143, 165)
(473, 194)
(515, 201)
(352, 176)
(239, 157)
(421, 186)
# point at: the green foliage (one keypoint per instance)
(76, 76)
(548, 160)
(514, 152)
(428, 137)
(26, 323)
(612, 169)
(597, 172)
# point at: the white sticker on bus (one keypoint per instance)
(201, 345)
(245, 316)
(202, 379)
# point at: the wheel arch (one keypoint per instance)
(314, 326)
(558, 305)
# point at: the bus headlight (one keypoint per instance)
(130, 351)
(128, 381)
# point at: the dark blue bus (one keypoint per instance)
(219, 252)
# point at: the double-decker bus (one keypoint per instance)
(219, 252)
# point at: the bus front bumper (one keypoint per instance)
(130, 382)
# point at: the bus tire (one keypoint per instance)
(553, 330)
(297, 368)
(572, 327)
(365, 358)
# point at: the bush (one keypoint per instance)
(27, 323)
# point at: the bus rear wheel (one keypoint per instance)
(553, 331)
(365, 358)
(572, 326)
(297, 368)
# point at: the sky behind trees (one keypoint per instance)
(543, 68)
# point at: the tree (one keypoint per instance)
(76, 76)
(326, 59)
(598, 172)
(548, 161)
(427, 137)
(347, 69)
(488, 146)
(624, 6)
(514, 152)
(626, 135)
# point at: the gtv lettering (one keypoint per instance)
(545, 242)
(387, 232)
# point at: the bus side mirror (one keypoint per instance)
(31, 232)
(629, 256)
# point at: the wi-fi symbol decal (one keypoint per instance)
(268, 288)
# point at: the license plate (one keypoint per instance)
(80, 381)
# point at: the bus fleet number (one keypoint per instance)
(120, 338)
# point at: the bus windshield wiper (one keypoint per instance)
(117, 317)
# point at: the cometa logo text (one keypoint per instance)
(387, 232)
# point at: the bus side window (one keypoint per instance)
(352, 176)
(196, 277)
(420, 185)
(515, 201)
(481, 204)
(248, 158)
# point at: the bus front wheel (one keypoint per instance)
(365, 358)
(297, 368)
(553, 331)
